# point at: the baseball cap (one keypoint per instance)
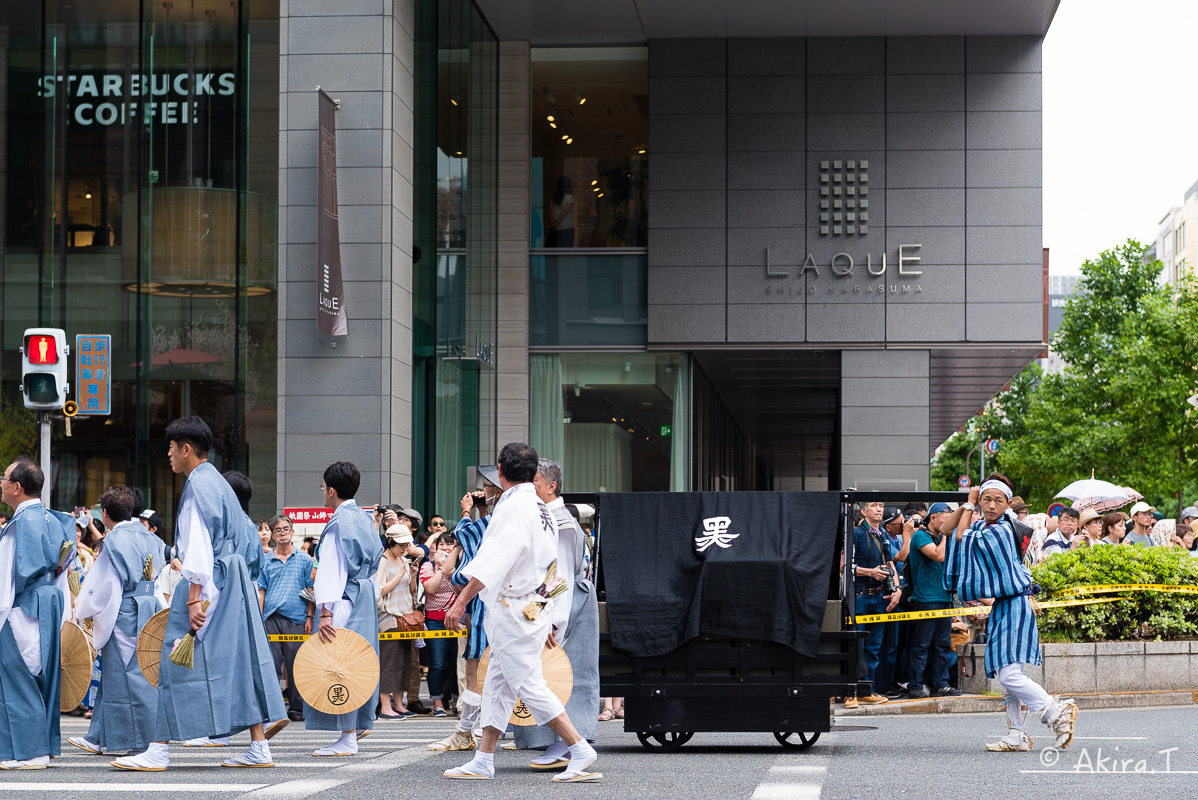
(399, 534)
(490, 473)
(1141, 506)
(1189, 511)
(890, 514)
(149, 512)
(938, 508)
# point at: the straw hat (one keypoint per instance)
(337, 677)
(77, 658)
(149, 646)
(555, 666)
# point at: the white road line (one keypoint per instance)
(793, 777)
(798, 769)
(399, 758)
(293, 790)
(104, 765)
(108, 788)
(787, 791)
(1107, 772)
(1112, 738)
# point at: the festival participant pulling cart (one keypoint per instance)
(726, 611)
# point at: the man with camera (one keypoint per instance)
(878, 590)
(930, 639)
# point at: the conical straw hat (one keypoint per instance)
(77, 658)
(337, 677)
(149, 646)
(555, 666)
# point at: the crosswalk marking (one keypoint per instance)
(107, 788)
(793, 777)
(293, 790)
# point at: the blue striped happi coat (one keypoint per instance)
(986, 563)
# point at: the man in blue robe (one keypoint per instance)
(248, 545)
(575, 628)
(348, 555)
(34, 547)
(231, 686)
(119, 597)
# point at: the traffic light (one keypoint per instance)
(44, 368)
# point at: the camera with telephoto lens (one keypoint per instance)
(891, 586)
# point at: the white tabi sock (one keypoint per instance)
(157, 755)
(582, 755)
(261, 749)
(484, 761)
(346, 745)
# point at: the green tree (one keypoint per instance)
(1004, 418)
(1119, 406)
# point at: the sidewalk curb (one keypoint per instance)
(967, 704)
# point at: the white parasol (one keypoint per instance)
(1102, 496)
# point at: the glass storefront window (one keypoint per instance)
(455, 254)
(136, 203)
(591, 300)
(617, 422)
(590, 128)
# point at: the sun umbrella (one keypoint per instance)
(1102, 496)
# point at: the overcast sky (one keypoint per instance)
(1120, 122)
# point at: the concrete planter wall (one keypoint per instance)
(1101, 667)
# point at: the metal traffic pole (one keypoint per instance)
(43, 420)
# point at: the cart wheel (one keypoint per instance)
(796, 740)
(664, 741)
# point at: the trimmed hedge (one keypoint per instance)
(1144, 615)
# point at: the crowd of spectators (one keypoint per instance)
(899, 566)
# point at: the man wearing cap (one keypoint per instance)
(930, 639)
(349, 553)
(875, 572)
(1188, 515)
(34, 549)
(284, 576)
(1142, 520)
(469, 535)
(512, 573)
(119, 597)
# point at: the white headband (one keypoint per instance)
(1002, 487)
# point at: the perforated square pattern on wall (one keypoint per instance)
(843, 198)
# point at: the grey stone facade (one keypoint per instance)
(350, 398)
(746, 137)
(786, 172)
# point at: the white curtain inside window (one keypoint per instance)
(546, 410)
(598, 458)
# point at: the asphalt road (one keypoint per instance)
(1117, 754)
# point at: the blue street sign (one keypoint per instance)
(93, 373)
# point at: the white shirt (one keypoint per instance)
(194, 545)
(517, 548)
(25, 629)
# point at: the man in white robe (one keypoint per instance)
(509, 573)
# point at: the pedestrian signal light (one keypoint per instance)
(44, 368)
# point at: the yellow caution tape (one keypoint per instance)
(383, 637)
(966, 611)
(1108, 588)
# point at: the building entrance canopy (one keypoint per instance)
(627, 21)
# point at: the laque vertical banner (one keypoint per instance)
(330, 294)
